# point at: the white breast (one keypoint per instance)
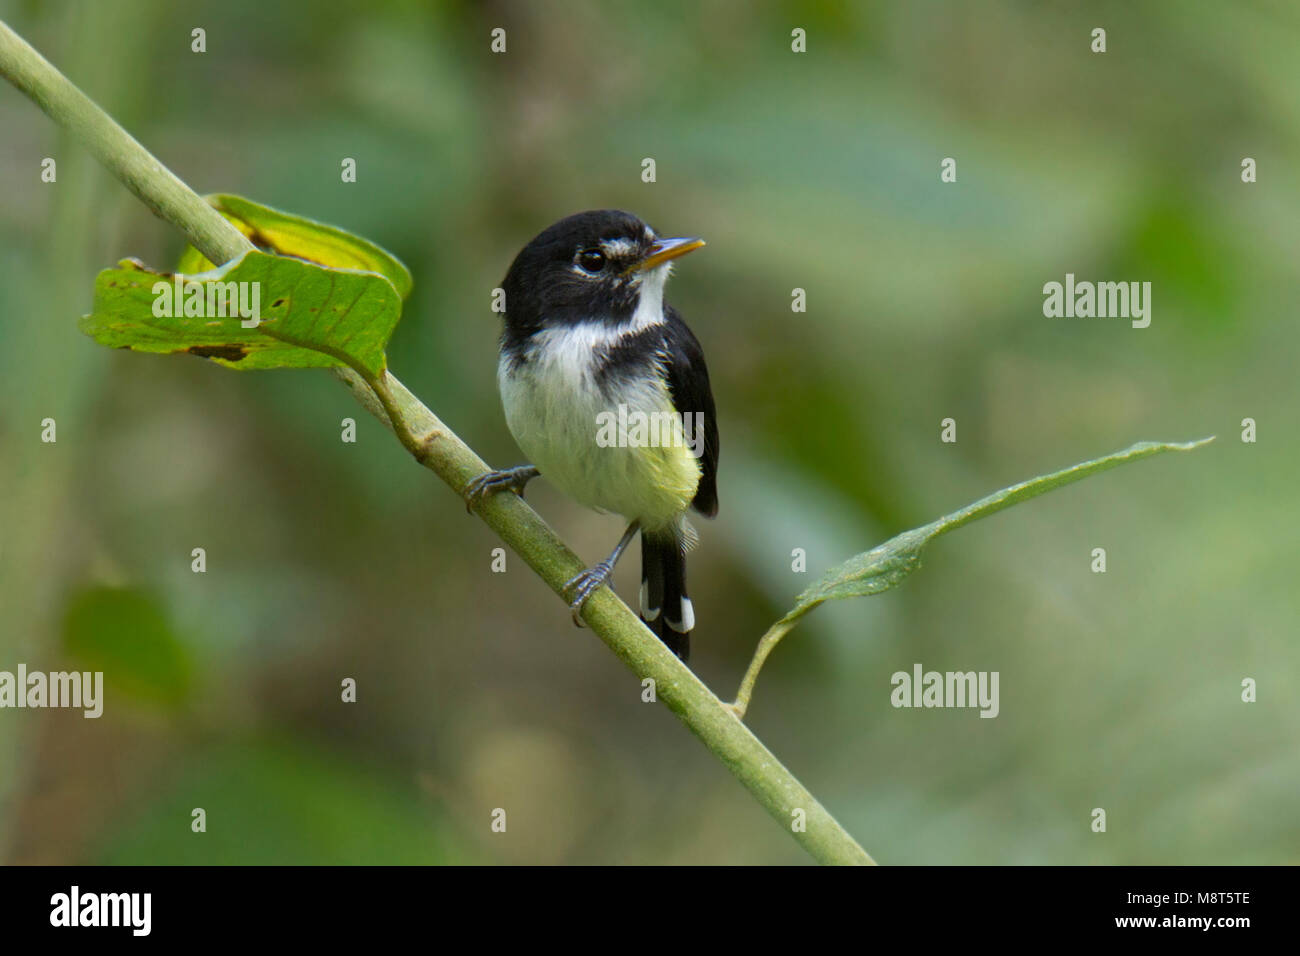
(552, 404)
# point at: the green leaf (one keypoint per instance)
(124, 633)
(272, 230)
(310, 316)
(886, 565)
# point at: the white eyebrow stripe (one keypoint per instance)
(618, 248)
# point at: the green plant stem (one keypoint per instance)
(766, 645)
(436, 447)
(153, 184)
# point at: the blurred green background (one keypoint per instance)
(820, 171)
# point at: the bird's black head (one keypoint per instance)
(590, 267)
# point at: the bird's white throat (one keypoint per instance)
(650, 306)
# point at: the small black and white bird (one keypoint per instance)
(606, 391)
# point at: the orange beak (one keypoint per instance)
(665, 250)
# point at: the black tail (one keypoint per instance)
(665, 608)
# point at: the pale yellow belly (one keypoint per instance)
(604, 462)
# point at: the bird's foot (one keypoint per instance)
(489, 483)
(584, 585)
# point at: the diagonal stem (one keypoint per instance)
(766, 645)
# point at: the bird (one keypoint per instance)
(606, 391)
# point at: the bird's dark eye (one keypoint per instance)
(591, 260)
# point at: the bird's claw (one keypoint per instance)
(584, 585)
(490, 482)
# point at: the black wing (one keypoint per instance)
(688, 381)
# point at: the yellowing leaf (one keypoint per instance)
(285, 234)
